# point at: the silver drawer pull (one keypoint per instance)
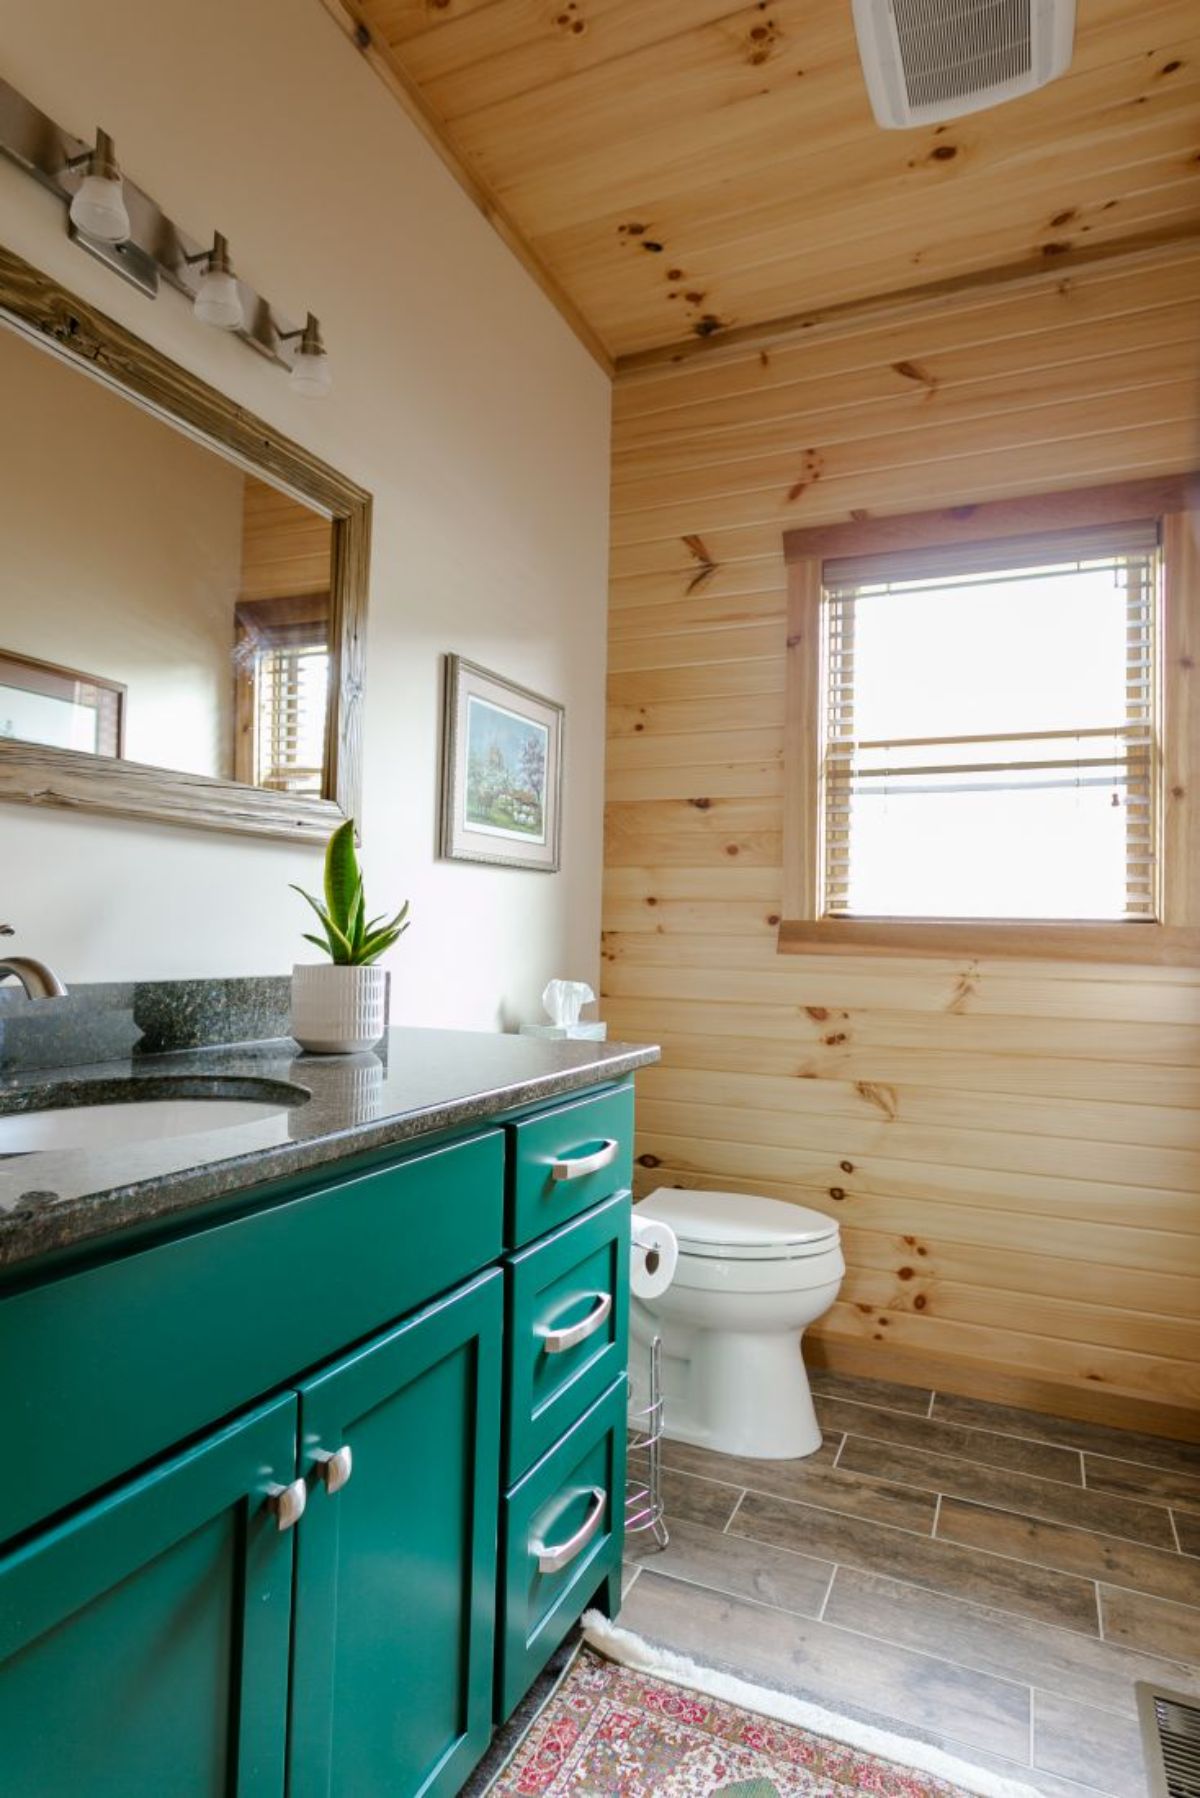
(577, 1166)
(555, 1341)
(286, 1503)
(335, 1469)
(553, 1558)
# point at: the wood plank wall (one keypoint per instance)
(1012, 1149)
(286, 547)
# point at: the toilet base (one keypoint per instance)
(737, 1394)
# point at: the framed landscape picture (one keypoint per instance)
(502, 771)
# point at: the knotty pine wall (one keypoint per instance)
(1011, 1148)
(286, 548)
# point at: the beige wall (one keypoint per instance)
(121, 556)
(461, 401)
(1012, 1149)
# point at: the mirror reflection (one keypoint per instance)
(157, 603)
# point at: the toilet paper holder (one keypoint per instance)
(643, 1497)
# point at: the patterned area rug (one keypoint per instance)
(619, 1731)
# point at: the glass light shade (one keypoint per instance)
(311, 374)
(99, 209)
(218, 301)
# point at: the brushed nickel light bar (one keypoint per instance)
(118, 223)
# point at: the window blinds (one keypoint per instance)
(992, 794)
(291, 691)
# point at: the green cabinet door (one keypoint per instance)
(144, 1642)
(396, 1566)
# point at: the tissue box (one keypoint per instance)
(594, 1032)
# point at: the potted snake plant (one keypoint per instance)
(339, 1006)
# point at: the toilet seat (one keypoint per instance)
(791, 1273)
(738, 1226)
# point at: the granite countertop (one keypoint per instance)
(415, 1082)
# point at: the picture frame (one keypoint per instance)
(502, 753)
(45, 704)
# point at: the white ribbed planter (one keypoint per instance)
(338, 1011)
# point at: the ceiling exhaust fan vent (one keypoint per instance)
(930, 60)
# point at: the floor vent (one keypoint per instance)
(1171, 1737)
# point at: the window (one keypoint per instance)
(991, 729)
(282, 692)
(291, 689)
(990, 717)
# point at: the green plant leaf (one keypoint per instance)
(339, 945)
(342, 877)
(377, 945)
(315, 903)
(321, 942)
(397, 923)
(391, 931)
(350, 938)
(358, 913)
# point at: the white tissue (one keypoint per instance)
(564, 1000)
(655, 1254)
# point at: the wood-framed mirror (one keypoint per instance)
(183, 591)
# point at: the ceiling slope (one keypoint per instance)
(678, 173)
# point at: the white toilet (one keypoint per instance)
(753, 1274)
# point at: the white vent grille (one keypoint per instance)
(952, 49)
(927, 60)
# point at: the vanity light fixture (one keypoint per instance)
(311, 374)
(98, 206)
(218, 301)
(125, 228)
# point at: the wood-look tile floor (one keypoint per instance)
(986, 1578)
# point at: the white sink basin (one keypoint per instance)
(138, 1120)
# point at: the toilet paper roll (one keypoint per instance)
(654, 1257)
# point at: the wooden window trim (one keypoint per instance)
(1175, 940)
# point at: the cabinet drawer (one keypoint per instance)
(568, 1306)
(564, 1527)
(564, 1161)
(122, 1361)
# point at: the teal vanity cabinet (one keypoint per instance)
(396, 1572)
(144, 1642)
(561, 1536)
(106, 1368)
(562, 1520)
(324, 1483)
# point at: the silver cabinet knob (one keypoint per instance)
(335, 1469)
(287, 1503)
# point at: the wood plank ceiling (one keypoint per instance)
(676, 170)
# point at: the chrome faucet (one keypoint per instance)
(39, 981)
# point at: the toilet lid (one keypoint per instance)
(740, 1226)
